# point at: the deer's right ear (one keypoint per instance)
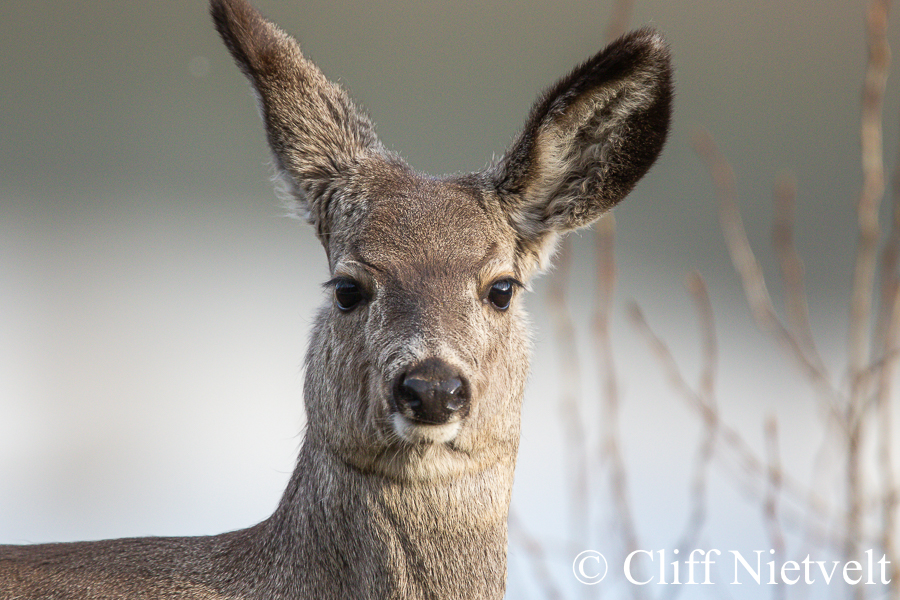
(588, 140)
(316, 133)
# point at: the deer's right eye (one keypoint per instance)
(347, 294)
(501, 293)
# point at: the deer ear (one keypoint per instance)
(588, 140)
(314, 130)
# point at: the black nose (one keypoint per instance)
(431, 392)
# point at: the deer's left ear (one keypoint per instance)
(588, 140)
(315, 131)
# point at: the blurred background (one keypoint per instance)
(155, 301)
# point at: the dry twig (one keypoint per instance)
(866, 256)
(797, 306)
(536, 554)
(773, 492)
(754, 283)
(749, 463)
(570, 412)
(610, 446)
(889, 493)
(706, 397)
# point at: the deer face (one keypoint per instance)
(418, 359)
(423, 338)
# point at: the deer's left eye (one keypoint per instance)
(501, 293)
(347, 294)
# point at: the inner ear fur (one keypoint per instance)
(588, 139)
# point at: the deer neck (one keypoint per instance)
(374, 537)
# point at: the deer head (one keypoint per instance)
(419, 357)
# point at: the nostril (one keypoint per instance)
(416, 386)
(431, 392)
(413, 390)
(451, 386)
(448, 391)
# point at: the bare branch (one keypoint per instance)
(873, 182)
(785, 200)
(706, 396)
(570, 377)
(697, 288)
(890, 257)
(746, 456)
(889, 492)
(536, 554)
(774, 478)
(887, 341)
(748, 461)
(866, 256)
(742, 256)
(610, 447)
(751, 274)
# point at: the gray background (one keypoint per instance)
(154, 303)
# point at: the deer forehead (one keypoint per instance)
(424, 229)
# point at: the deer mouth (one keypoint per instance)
(419, 432)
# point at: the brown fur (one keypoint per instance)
(382, 504)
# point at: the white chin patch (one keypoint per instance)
(418, 432)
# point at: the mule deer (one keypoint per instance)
(417, 362)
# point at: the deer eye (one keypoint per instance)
(347, 294)
(501, 293)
